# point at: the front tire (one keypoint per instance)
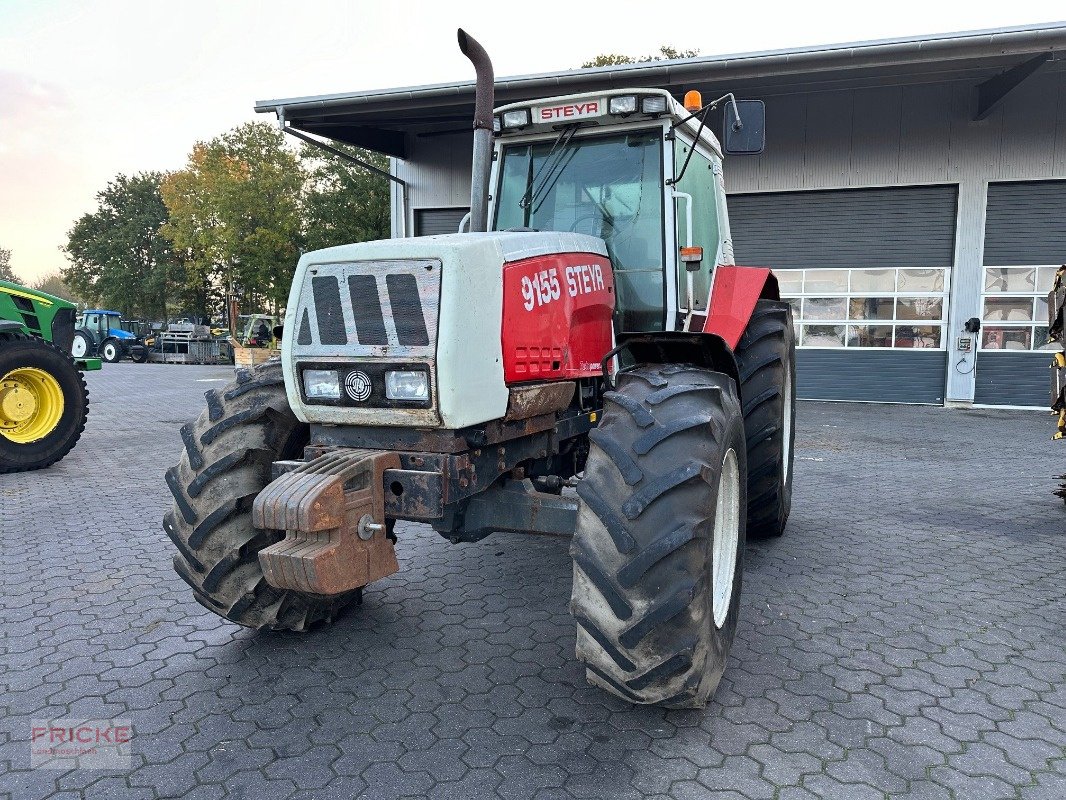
(226, 462)
(766, 359)
(659, 544)
(111, 351)
(42, 426)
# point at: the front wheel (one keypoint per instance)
(226, 462)
(43, 403)
(658, 550)
(111, 351)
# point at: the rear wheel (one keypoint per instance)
(226, 462)
(44, 403)
(659, 544)
(82, 345)
(111, 351)
(766, 359)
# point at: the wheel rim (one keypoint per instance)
(31, 405)
(78, 348)
(726, 537)
(786, 427)
(109, 352)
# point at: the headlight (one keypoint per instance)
(623, 105)
(322, 384)
(407, 385)
(656, 104)
(516, 119)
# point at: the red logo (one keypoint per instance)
(589, 109)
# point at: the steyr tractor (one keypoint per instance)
(589, 331)
(105, 334)
(43, 398)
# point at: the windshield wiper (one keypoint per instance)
(534, 190)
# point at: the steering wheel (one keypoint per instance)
(615, 229)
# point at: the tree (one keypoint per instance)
(344, 202)
(6, 273)
(53, 284)
(119, 258)
(235, 217)
(666, 53)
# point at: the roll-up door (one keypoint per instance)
(867, 272)
(1025, 241)
(431, 221)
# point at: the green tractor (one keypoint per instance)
(43, 398)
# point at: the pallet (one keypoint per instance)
(250, 356)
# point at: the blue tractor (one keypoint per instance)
(100, 333)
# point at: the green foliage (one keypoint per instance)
(6, 273)
(119, 259)
(53, 284)
(233, 221)
(235, 216)
(666, 53)
(343, 202)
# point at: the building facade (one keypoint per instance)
(910, 192)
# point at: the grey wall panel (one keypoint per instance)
(907, 135)
(437, 173)
(884, 376)
(1026, 223)
(431, 221)
(905, 227)
(1012, 379)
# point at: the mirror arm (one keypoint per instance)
(702, 114)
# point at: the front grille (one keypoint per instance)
(380, 308)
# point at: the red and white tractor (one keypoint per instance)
(589, 330)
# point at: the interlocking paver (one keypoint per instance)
(904, 638)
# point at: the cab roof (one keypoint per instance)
(592, 109)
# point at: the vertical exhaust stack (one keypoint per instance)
(483, 101)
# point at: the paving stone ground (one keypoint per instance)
(905, 637)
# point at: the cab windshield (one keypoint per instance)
(606, 186)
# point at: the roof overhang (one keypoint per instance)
(384, 119)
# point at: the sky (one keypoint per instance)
(93, 88)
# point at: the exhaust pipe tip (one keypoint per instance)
(483, 102)
(464, 42)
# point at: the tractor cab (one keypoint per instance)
(640, 171)
(256, 330)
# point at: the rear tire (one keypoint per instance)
(766, 359)
(20, 351)
(226, 462)
(651, 626)
(82, 345)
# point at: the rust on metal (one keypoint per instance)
(537, 399)
(319, 505)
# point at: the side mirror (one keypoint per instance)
(748, 136)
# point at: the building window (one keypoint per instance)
(867, 308)
(1014, 308)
